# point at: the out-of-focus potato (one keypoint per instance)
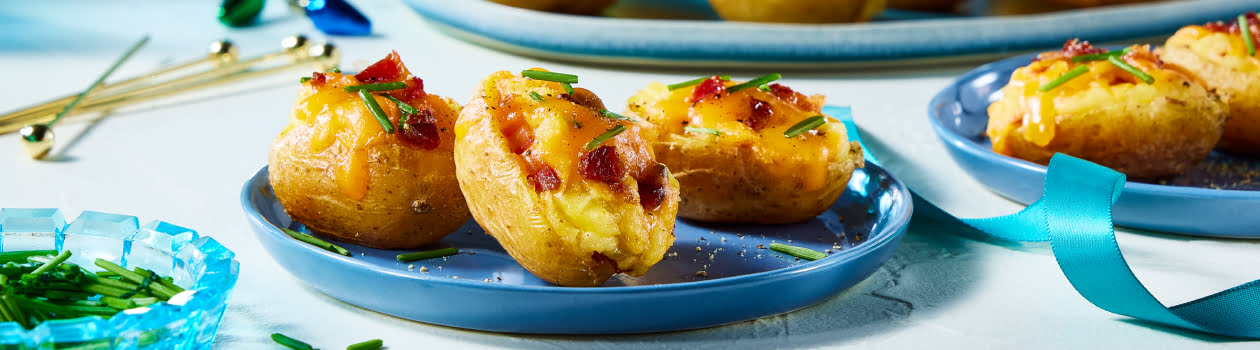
(798, 11)
(1107, 115)
(570, 209)
(732, 159)
(1095, 3)
(925, 5)
(1217, 55)
(336, 170)
(577, 7)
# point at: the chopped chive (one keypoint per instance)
(11, 304)
(366, 345)
(1131, 69)
(428, 254)
(800, 252)
(1246, 34)
(406, 108)
(304, 80)
(695, 81)
(613, 115)
(1071, 74)
(312, 240)
(335, 70)
(805, 125)
(165, 281)
(605, 136)
(7, 257)
(550, 76)
(376, 87)
(118, 303)
(568, 88)
(290, 342)
(535, 96)
(1099, 56)
(51, 264)
(157, 289)
(702, 130)
(376, 110)
(754, 83)
(764, 87)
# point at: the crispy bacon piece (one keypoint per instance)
(652, 186)
(712, 87)
(421, 131)
(386, 70)
(602, 164)
(1231, 27)
(1076, 47)
(519, 136)
(414, 90)
(318, 79)
(760, 113)
(544, 179)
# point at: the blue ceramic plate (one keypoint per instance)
(701, 40)
(1218, 197)
(483, 288)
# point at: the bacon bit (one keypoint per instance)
(386, 70)
(791, 96)
(318, 79)
(1232, 26)
(1076, 47)
(413, 91)
(602, 164)
(652, 186)
(760, 112)
(586, 98)
(600, 258)
(712, 87)
(544, 179)
(519, 137)
(421, 131)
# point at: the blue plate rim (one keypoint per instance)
(965, 144)
(888, 234)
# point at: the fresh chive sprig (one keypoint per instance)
(1099, 56)
(428, 254)
(366, 345)
(568, 88)
(303, 80)
(376, 87)
(403, 106)
(550, 76)
(805, 125)
(376, 110)
(695, 81)
(312, 240)
(800, 252)
(697, 129)
(1071, 74)
(1131, 69)
(613, 115)
(605, 136)
(754, 83)
(290, 342)
(1245, 29)
(535, 96)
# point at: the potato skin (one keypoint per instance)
(582, 232)
(1108, 117)
(797, 11)
(577, 7)
(336, 171)
(1220, 61)
(744, 175)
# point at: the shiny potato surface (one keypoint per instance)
(797, 11)
(570, 210)
(336, 170)
(732, 159)
(578, 7)
(1107, 116)
(1217, 55)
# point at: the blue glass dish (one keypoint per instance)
(1191, 204)
(188, 321)
(713, 274)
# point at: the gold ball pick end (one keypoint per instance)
(326, 55)
(224, 50)
(295, 42)
(37, 140)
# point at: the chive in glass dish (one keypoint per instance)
(104, 281)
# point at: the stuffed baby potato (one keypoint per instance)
(798, 11)
(338, 170)
(1151, 122)
(572, 192)
(1218, 55)
(744, 154)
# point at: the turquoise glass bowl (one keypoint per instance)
(188, 321)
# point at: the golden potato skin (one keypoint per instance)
(1219, 59)
(1108, 116)
(577, 7)
(745, 174)
(335, 170)
(575, 231)
(798, 11)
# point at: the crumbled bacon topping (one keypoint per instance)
(652, 186)
(318, 79)
(386, 70)
(602, 164)
(421, 131)
(544, 179)
(712, 87)
(1231, 27)
(1077, 47)
(760, 113)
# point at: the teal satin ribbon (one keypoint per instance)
(1074, 215)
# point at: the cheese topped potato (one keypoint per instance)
(570, 190)
(755, 152)
(1126, 110)
(1217, 54)
(338, 169)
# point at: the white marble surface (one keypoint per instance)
(184, 160)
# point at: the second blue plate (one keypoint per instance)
(713, 274)
(1218, 197)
